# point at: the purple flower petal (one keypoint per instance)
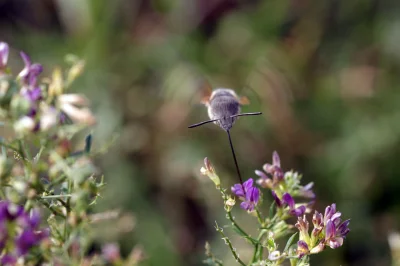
(299, 211)
(248, 184)
(247, 206)
(26, 241)
(289, 200)
(261, 174)
(330, 230)
(276, 161)
(336, 242)
(253, 195)
(237, 189)
(343, 228)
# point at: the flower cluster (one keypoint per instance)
(39, 107)
(19, 232)
(285, 187)
(43, 171)
(328, 230)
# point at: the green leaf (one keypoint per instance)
(289, 243)
(271, 210)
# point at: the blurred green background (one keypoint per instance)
(324, 73)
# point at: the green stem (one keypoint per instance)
(259, 217)
(10, 147)
(258, 248)
(229, 243)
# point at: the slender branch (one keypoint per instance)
(56, 196)
(229, 243)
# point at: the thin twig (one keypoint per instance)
(229, 243)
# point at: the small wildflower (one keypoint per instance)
(248, 194)
(25, 234)
(302, 225)
(274, 255)
(209, 171)
(74, 106)
(273, 170)
(287, 198)
(302, 248)
(30, 72)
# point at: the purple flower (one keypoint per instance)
(302, 248)
(273, 170)
(26, 241)
(306, 191)
(32, 94)
(328, 231)
(335, 230)
(4, 51)
(30, 72)
(288, 200)
(9, 211)
(8, 260)
(24, 228)
(248, 194)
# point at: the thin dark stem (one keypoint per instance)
(246, 114)
(202, 123)
(234, 157)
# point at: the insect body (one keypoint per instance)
(223, 106)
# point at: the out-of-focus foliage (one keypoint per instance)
(324, 74)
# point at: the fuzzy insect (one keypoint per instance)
(223, 107)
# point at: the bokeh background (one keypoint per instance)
(324, 73)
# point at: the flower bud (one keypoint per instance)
(229, 203)
(209, 171)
